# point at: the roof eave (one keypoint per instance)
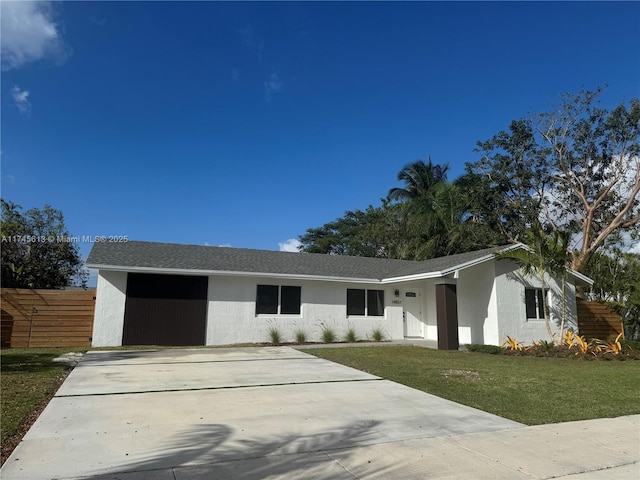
(182, 271)
(411, 278)
(581, 277)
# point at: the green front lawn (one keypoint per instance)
(529, 390)
(28, 379)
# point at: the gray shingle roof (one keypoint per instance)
(134, 255)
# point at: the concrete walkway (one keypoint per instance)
(275, 412)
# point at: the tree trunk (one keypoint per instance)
(545, 310)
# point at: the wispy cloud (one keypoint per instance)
(21, 97)
(29, 33)
(291, 245)
(252, 41)
(235, 74)
(272, 85)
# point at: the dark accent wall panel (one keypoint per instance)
(165, 310)
(447, 316)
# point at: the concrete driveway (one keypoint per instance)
(241, 413)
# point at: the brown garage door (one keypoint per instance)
(165, 310)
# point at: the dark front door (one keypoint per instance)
(165, 310)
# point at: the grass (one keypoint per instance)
(328, 335)
(377, 335)
(351, 336)
(529, 390)
(28, 379)
(301, 336)
(274, 336)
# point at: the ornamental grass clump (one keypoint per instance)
(275, 336)
(351, 336)
(328, 334)
(301, 336)
(377, 335)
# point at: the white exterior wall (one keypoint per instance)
(429, 311)
(512, 315)
(477, 311)
(490, 297)
(231, 316)
(108, 321)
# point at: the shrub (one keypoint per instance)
(377, 335)
(630, 344)
(511, 344)
(351, 336)
(274, 335)
(543, 345)
(491, 349)
(328, 334)
(301, 336)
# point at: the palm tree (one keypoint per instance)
(419, 178)
(546, 254)
(419, 200)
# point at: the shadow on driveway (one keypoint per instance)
(209, 451)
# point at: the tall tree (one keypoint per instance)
(596, 169)
(374, 232)
(616, 276)
(575, 169)
(512, 177)
(419, 179)
(426, 205)
(36, 251)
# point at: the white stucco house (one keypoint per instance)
(167, 294)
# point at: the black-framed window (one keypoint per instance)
(355, 301)
(365, 302)
(276, 299)
(290, 300)
(375, 303)
(534, 300)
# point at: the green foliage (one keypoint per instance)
(491, 349)
(630, 344)
(435, 213)
(426, 218)
(301, 336)
(567, 169)
(377, 335)
(350, 336)
(574, 346)
(546, 253)
(617, 281)
(543, 345)
(34, 251)
(29, 379)
(565, 172)
(369, 233)
(328, 334)
(419, 178)
(512, 170)
(275, 337)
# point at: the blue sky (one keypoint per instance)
(244, 123)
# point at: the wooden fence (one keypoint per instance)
(46, 318)
(598, 320)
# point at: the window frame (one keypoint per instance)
(367, 295)
(279, 302)
(536, 295)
